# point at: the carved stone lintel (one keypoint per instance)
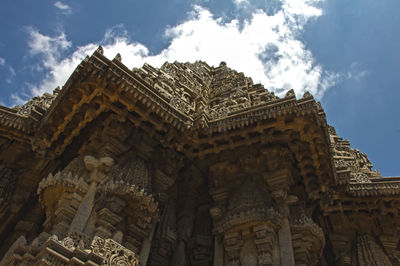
(113, 253)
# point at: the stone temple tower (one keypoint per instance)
(188, 164)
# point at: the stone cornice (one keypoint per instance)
(382, 187)
(15, 126)
(10, 118)
(273, 109)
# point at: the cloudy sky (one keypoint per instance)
(346, 53)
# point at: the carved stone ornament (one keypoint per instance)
(113, 253)
(38, 104)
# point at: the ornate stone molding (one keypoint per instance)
(70, 251)
(36, 106)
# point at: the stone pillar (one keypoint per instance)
(146, 246)
(98, 169)
(284, 234)
(218, 252)
(85, 209)
(285, 244)
(276, 256)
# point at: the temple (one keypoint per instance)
(188, 164)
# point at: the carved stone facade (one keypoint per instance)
(186, 165)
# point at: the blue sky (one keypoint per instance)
(344, 52)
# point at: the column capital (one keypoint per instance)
(98, 168)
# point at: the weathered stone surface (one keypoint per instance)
(188, 164)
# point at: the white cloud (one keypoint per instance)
(48, 47)
(63, 7)
(11, 70)
(12, 75)
(50, 50)
(356, 73)
(305, 9)
(264, 47)
(241, 2)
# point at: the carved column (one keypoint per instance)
(280, 180)
(97, 175)
(285, 235)
(285, 244)
(146, 246)
(85, 210)
(218, 251)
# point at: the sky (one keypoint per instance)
(346, 53)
